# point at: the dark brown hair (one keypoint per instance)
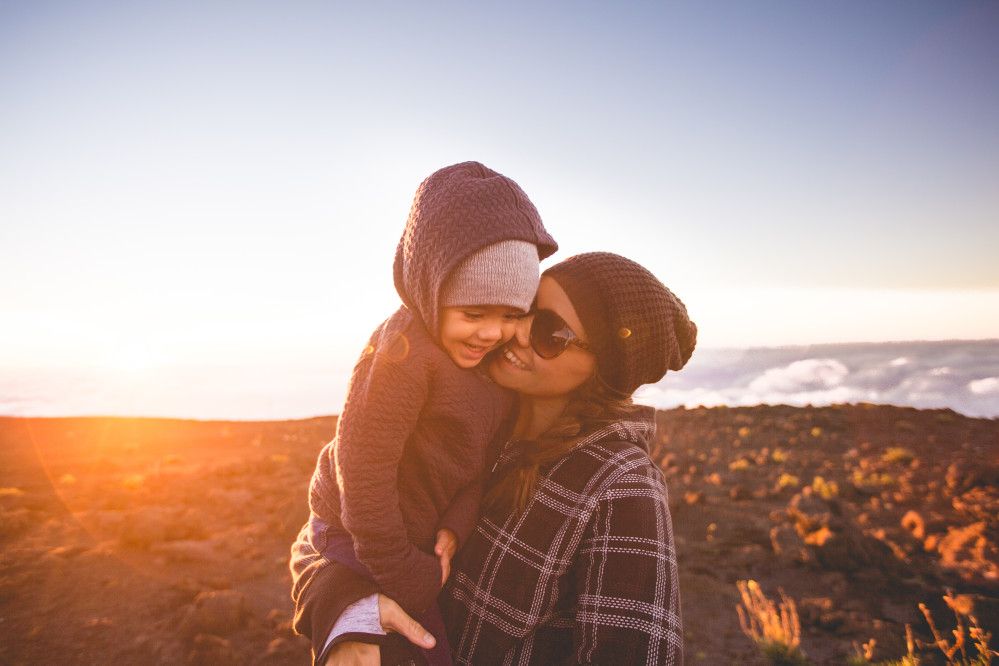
(591, 406)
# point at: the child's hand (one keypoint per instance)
(447, 544)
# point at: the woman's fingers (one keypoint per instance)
(395, 619)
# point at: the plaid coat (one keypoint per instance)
(586, 575)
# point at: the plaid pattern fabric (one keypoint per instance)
(586, 575)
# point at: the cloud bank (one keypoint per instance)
(960, 375)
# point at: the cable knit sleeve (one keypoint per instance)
(462, 513)
(388, 391)
(628, 606)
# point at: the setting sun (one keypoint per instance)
(132, 358)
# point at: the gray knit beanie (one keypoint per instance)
(504, 273)
(639, 329)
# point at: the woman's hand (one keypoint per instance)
(394, 618)
(354, 653)
(447, 544)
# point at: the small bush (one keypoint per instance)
(787, 480)
(825, 489)
(874, 480)
(897, 454)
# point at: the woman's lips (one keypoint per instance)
(514, 360)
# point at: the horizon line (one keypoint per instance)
(331, 416)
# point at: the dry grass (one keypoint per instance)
(970, 646)
(971, 642)
(865, 653)
(774, 628)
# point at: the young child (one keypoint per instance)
(419, 415)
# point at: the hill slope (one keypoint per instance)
(162, 541)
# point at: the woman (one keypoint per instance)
(572, 559)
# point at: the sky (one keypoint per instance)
(218, 188)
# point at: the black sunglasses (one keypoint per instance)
(550, 335)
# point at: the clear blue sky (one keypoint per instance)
(226, 182)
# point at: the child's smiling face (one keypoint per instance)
(469, 332)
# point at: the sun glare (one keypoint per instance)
(131, 359)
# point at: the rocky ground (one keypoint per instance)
(145, 541)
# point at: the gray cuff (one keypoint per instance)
(360, 617)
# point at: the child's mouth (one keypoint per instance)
(476, 351)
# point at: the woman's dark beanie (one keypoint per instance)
(638, 328)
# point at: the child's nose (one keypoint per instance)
(490, 332)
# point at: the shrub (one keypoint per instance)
(897, 454)
(739, 465)
(825, 489)
(874, 480)
(786, 480)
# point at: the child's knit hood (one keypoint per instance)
(456, 211)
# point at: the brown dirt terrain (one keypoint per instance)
(149, 541)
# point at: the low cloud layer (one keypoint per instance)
(963, 376)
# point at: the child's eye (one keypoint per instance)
(514, 316)
(474, 316)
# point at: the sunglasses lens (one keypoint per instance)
(547, 334)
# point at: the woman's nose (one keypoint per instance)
(522, 334)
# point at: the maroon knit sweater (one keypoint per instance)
(415, 427)
(413, 433)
